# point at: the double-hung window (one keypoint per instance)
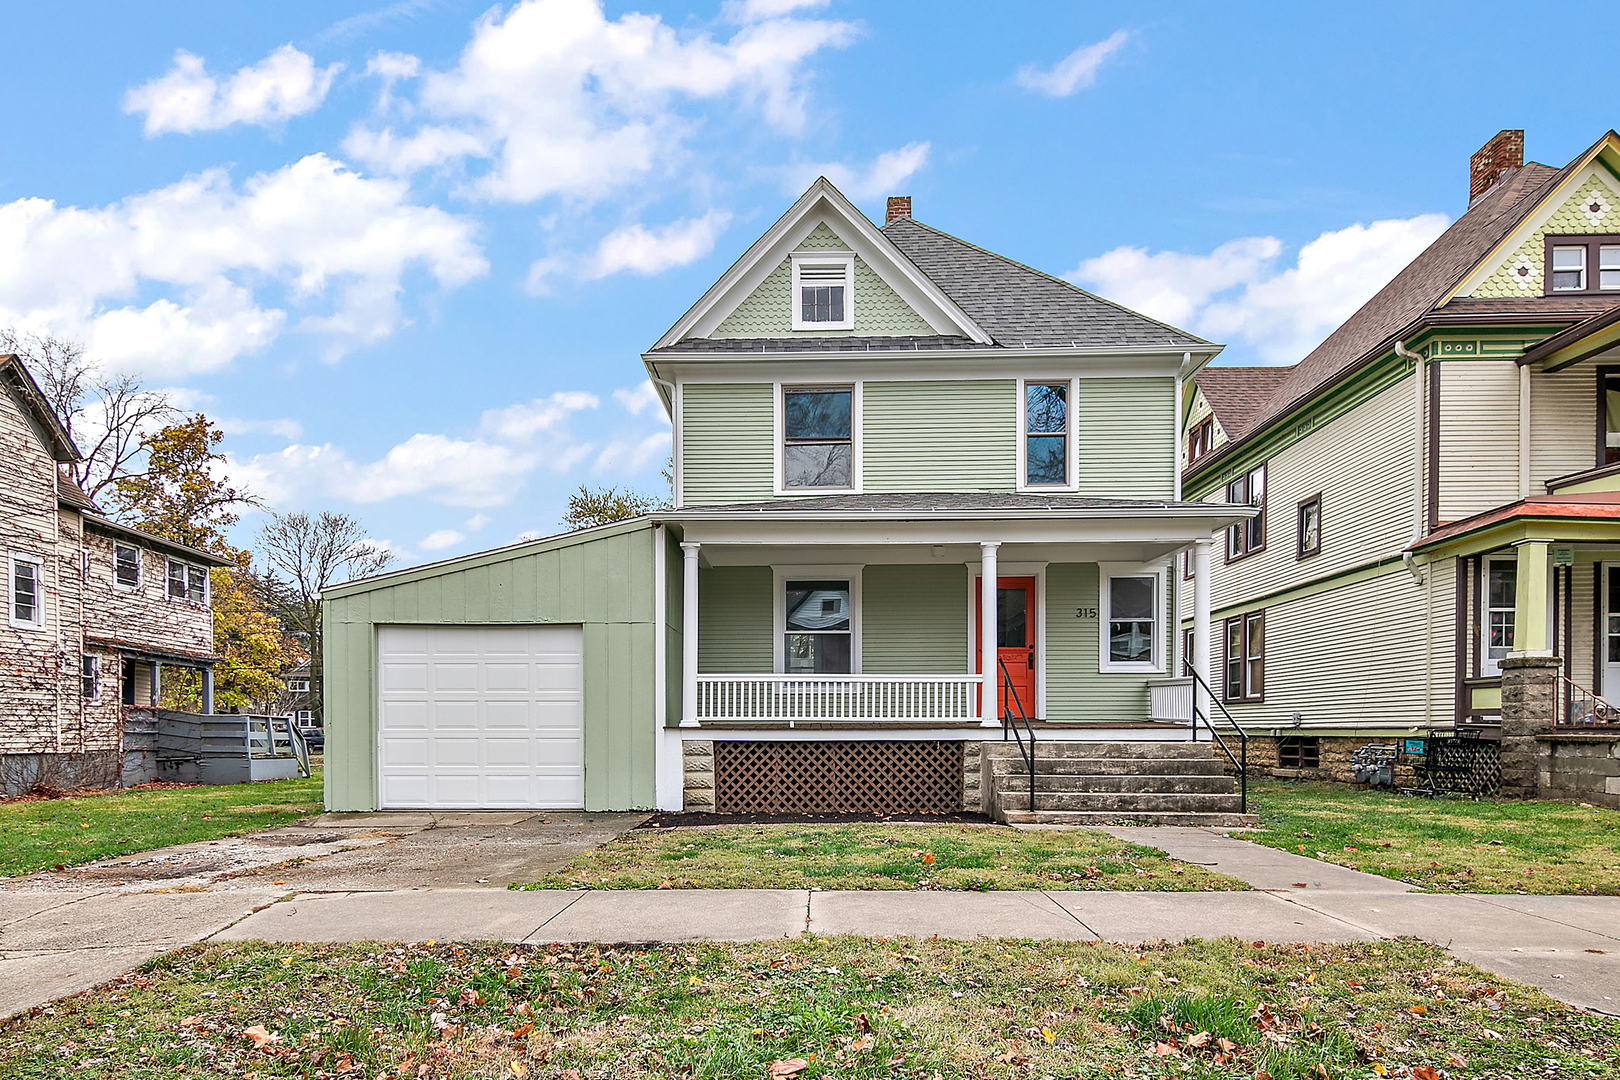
(126, 566)
(823, 290)
(1582, 264)
(818, 437)
(1247, 537)
(1201, 439)
(90, 673)
(1246, 657)
(298, 686)
(27, 574)
(818, 637)
(1131, 618)
(1569, 268)
(187, 582)
(1310, 527)
(1046, 434)
(1500, 600)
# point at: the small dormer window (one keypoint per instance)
(823, 290)
(1582, 264)
(1569, 269)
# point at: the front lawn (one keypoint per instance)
(1445, 845)
(878, 856)
(807, 1008)
(58, 833)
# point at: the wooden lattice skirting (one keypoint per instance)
(900, 777)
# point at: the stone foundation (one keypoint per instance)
(972, 755)
(1579, 766)
(1529, 705)
(697, 764)
(1334, 758)
(93, 770)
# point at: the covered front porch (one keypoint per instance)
(862, 613)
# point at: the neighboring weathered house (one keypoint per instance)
(890, 446)
(1437, 485)
(96, 611)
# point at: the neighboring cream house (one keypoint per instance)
(95, 611)
(1437, 484)
(890, 446)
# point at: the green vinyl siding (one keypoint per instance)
(1075, 689)
(914, 620)
(736, 621)
(1125, 430)
(726, 450)
(942, 436)
(602, 581)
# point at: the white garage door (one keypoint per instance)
(480, 717)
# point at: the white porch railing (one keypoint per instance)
(819, 698)
(1171, 700)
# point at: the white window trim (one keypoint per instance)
(824, 258)
(208, 583)
(1071, 448)
(779, 436)
(140, 569)
(1107, 665)
(39, 590)
(1036, 570)
(1491, 667)
(298, 686)
(781, 575)
(84, 658)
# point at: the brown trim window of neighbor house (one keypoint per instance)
(1310, 527)
(1608, 415)
(1299, 752)
(1247, 537)
(1245, 659)
(1201, 439)
(1582, 264)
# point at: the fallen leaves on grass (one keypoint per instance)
(789, 1067)
(259, 1037)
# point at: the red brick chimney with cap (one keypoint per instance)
(1494, 162)
(899, 207)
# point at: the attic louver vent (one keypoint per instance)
(833, 273)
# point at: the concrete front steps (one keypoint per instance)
(1112, 783)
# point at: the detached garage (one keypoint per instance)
(520, 678)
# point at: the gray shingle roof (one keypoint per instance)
(824, 344)
(936, 502)
(1019, 306)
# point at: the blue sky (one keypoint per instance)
(409, 255)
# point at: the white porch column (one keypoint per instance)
(689, 634)
(987, 636)
(1201, 622)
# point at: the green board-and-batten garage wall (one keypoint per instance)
(600, 579)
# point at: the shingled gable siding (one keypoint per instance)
(914, 620)
(602, 581)
(768, 310)
(1567, 219)
(941, 436)
(736, 623)
(1126, 436)
(726, 451)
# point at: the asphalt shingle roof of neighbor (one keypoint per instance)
(937, 502)
(1017, 305)
(1237, 394)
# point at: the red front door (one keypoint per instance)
(1015, 641)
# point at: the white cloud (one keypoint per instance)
(631, 455)
(187, 98)
(751, 11)
(886, 172)
(550, 97)
(520, 423)
(282, 426)
(476, 522)
(1237, 293)
(1077, 71)
(332, 247)
(390, 66)
(441, 539)
(642, 396)
(650, 251)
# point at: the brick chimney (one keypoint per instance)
(1494, 162)
(899, 207)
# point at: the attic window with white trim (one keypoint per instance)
(823, 290)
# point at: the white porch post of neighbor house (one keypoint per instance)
(1201, 621)
(689, 634)
(987, 636)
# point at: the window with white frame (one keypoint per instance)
(818, 449)
(823, 290)
(306, 716)
(90, 674)
(27, 578)
(1046, 434)
(188, 582)
(1246, 657)
(126, 566)
(1499, 589)
(818, 620)
(298, 686)
(1132, 602)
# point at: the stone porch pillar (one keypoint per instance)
(689, 634)
(1529, 707)
(988, 638)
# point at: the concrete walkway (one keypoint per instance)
(54, 942)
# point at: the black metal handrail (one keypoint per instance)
(1008, 724)
(1242, 766)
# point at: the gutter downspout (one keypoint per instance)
(1418, 426)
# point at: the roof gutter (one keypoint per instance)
(1419, 429)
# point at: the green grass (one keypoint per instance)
(1446, 845)
(847, 1008)
(79, 829)
(879, 856)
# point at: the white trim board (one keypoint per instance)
(1036, 570)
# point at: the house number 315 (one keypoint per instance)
(1085, 613)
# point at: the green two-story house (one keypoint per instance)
(890, 447)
